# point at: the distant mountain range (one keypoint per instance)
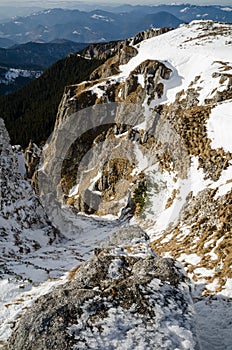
(23, 63)
(100, 26)
(38, 55)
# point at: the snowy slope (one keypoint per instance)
(191, 50)
(199, 55)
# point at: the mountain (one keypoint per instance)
(30, 113)
(165, 141)
(80, 26)
(99, 25)
(161, 19)
(38, 55)
(136, 177)
(184, 12)
(21, 64)
(5, 43)
(155, 150)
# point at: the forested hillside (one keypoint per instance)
(30, 112)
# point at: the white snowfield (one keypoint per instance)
(190, 51)
(194, 50)
(220, 126)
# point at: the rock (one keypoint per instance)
(32, 157)
(24, 225)
(117, 300)
(149, 34)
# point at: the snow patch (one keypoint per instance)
(219, 126)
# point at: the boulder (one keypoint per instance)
(124, 297)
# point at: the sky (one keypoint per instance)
(65, 3)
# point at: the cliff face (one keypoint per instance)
(24, 225)
(151, 149)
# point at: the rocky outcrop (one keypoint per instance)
(107, 50)
(118, 53)
(123, 297)
(32, 158)
(24, 226)
(147, 34)
(147, 167)
(102, 134)
(111, 66)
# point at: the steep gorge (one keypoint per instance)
(144, 143)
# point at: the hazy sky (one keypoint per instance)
(62, 3)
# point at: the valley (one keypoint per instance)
(117, 234)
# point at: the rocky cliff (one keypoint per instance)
(153, 151)
(24, 225)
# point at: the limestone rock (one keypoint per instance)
(116, 300)
(24, 225)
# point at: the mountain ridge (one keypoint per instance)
(20, 108)
(100, 25)
(80, 26)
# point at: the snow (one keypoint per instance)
(219, 126)
(141, 79)
(178, 52)
(16, 297)
(213, 319)
(227, 290)
(21, 163)
(114, 269)
(141, 159)
(228, 9)
(98, 90)
(41, 271)
(102, 18)
(125, 329)
(184, 9)
(192, 259)
(74, 190)
(12, 74)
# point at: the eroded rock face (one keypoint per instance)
(108, 50)
(24, 226)
(149, 34)
(111, 66)
(123, 297)
(113, 186)
(156, 160)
